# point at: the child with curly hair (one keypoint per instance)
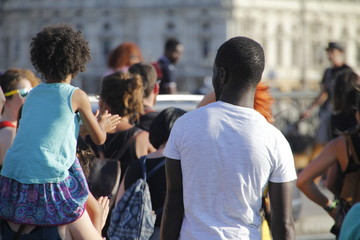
(42, 182)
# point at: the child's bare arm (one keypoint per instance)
(97, 130)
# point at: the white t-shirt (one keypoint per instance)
(228, 154)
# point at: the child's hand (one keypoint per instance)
(104, 202)
(108, 122)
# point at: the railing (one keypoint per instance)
(287, 109)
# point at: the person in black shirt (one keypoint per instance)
(159, 134)
(172, 54)
(336, 55)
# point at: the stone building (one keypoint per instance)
(294, 33)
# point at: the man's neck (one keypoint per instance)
(338, 64)
(150, 101)
(232, 95)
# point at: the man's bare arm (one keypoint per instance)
(282, 223)
(174, 206)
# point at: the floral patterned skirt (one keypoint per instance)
(44, 204)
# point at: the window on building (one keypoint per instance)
(206, 26)
(6, 47)
(80, 26)
(295, 53)
(170, 12)
(17, 49)
(279, 46)
(204, 11)
(264, 44)
(279, 53)
(170, 26)
(358, 53)
(205, 48)
(317, 54)
(106, 48)
(106, 26)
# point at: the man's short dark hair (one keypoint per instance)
(58, 51)
(161, 126)
(171, 44)
(148, 76)
(243, 58)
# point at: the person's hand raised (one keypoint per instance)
(107, 121)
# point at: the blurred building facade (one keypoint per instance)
(294, 33)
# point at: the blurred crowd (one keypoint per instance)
(222, 171)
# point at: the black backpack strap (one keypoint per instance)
(352, 149)
(117, 155)
(121, 152)
(156, 168)
(148, 175)
(143, 167)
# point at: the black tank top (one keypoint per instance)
(113, 144)
(352, 165)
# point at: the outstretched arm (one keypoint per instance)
(320, 99)
(174, 206)
(282, 223)
(332, 152)
(97, 130)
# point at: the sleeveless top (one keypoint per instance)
(45, 145)
(352, 165)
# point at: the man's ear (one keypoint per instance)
(223, 76)
(156, 89)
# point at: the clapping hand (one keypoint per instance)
(107, 121)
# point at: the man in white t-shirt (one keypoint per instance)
(221, 157)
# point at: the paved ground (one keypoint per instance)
(314, 223)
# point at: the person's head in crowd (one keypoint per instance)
(346, 89)
(173, 50)
(122, 93)
(123, 56)
(16, 87)
(149, 78)
(161, 126)
(336, 54)
(31, 77)
(238, 66)
(55, 65)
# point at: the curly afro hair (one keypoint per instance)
(58, 51)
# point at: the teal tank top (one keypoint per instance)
(45, 145)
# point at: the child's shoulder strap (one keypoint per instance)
(350, 144)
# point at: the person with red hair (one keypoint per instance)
(262, 102)
(123, 56)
